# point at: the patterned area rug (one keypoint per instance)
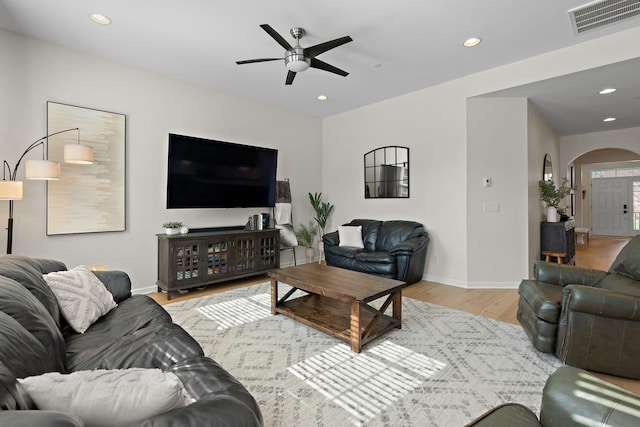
(443, 368)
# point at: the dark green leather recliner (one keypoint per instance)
(571, 397)
(589, 319)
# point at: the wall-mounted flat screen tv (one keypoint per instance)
(205, 173)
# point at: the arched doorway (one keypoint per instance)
(607, 196)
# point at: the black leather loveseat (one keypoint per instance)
(394, 249)
(138, 333)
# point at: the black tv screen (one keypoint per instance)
(205, 173)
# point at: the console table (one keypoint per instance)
(559, 237)
(201, 258)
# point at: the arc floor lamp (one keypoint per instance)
(11, 189)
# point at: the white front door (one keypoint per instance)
(635, 212)
(610, 210)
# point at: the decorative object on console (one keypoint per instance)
(173, 227)
(386, 173)
(38, 170)
(552, 196)
(90, 199)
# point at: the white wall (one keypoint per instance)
(33, 72)
(497, 147)
(542, 140)
(433, 123)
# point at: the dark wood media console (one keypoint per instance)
(204, 257)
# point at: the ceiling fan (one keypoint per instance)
(297, 58)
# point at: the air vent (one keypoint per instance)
(601, 13)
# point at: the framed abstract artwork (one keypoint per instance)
(87, 198)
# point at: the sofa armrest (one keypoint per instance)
(572, 396)
(215, 411)
(563, 274)
(598, 330)
(331, 239)
(507, 415)
(408, 247)
(39, 418)
(601, 302)
(117, 282)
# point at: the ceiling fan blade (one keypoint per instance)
(251, 61)
(277, 37)
(321, 65)
(290, 76)
(323, 47)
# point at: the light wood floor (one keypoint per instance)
(499, 304)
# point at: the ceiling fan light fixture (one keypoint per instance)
(296, 61)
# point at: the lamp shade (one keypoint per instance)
(10, 190)
(78, 154)
(42, 169)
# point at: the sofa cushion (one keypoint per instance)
(137, 333)
(28, 272)
(380, 257)
(393, 232)
(627, 262)
(370, 229)
(351, 235)
(21, 352)
(108, 397)
(81, 295)
(543, 298)
(26, 309)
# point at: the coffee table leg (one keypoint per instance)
(397, 308)
(274, 295)
(356, 334)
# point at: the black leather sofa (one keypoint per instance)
(589, 319)
(394, 249)
(137, 333)
(571, 397)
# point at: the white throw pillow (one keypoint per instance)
(116, 397)
(82, 297)
(351, 235)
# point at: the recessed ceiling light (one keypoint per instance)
(322, 97)
(609, 119)
(470, 42)
(607, 91)
(100, 19)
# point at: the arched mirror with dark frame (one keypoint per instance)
(547, 168)
(386, 173)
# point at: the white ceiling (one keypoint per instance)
(398, 47)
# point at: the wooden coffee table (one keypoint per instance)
(337, 301)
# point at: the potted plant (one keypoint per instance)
(305, 235)
(323, 211)
(552, 196)
(172, 227)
